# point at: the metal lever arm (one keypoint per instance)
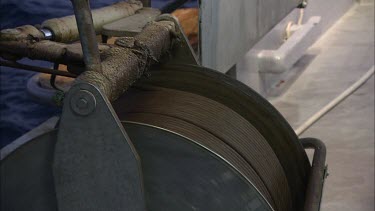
(95, 165)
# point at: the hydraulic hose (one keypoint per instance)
(335, 102)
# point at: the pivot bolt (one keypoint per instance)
(83, 103)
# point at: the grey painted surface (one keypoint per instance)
(230, 28)
(351, 152)
(348, 132)
(282, 59)
(342, 56)
(248, 72)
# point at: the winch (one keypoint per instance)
(145, 127)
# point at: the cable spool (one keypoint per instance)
(176, 108)
(231, 111)
(206, 142)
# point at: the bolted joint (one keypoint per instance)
(83, 103)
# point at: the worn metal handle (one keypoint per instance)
(318, 173)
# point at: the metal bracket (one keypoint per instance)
(183, 53)
(95, 165)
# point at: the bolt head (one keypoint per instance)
(83, 103)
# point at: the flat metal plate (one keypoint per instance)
(94, 159)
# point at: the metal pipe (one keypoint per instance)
(45, 50)
(334, 102)
(65, 29)
(128, 60)
(318, 173)
(87, 35)
(36, 69)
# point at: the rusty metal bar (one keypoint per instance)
(127, 61)
(65, 30)
(45, 50)
(20, 33)
(36, 69)
(318, 173)
(87, 35)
